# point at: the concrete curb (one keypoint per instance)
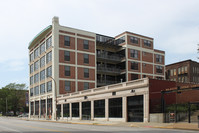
(140, 125)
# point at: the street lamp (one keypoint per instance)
(55, 97)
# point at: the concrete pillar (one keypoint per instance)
(92, 110)
(106, 109)
(146, 107)
(46, 108)
(62, 112)
(70, 110)
(124, 108)
(80, 110)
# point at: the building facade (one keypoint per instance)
(67, 60)
(184, 71)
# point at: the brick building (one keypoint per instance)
(184, 71)
(66, 60)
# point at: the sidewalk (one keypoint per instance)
(182, 126)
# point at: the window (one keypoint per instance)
(159, 69)
(99, 108)
(67, 86)
(86, 73)
(75, 109)
(174, 72)
(158, 58)
(36, 65)
(42, 48)
(134, 40)
(42, 61)
(67, 70)
(36, 89)
(66, 41)
(86, 85)
(182, 69)
(49, 86)
(31, 68)
(36, 78)
(42, 75)
(179, 70)
(134, 65)
(42, 88)
(185, 69)
(31, 80)
(48, 42)
(86, 45)
(147, 43)
(115, 108)
(36, 53)
(86, 58)
(86, 110)
(32, 108)
(31, 57)
(31, 91)
(66, 56)
(134, 53)
(36, 107)
(49, 71)
(48, 57)
(43, 107)
(171, 72)
(66, 108)
(49, 106)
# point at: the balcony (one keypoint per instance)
(114, 58)
(110, 70)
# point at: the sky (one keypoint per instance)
(174, 25)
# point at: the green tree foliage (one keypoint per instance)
(12, 98)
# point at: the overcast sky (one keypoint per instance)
(174, 25)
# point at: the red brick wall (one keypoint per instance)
(62, 87)
(134, 44)
(80, 46)
(81, 86)
(147, 68)
(80, 71)
(129, 76)
(80, 60)
(148, 57)
(61, 57)
(62, 72)
(61, 42)
(129, 55)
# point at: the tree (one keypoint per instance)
(12, 98)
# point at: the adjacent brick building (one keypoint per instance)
(65, 60)
(184, 71)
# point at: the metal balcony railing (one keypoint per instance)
(108, 69)
(110, 57)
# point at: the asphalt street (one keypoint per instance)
(13, 125)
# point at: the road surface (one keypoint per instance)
(13, 125)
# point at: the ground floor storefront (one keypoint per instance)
(125, 102)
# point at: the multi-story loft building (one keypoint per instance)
(65, 60)
(184, 71)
